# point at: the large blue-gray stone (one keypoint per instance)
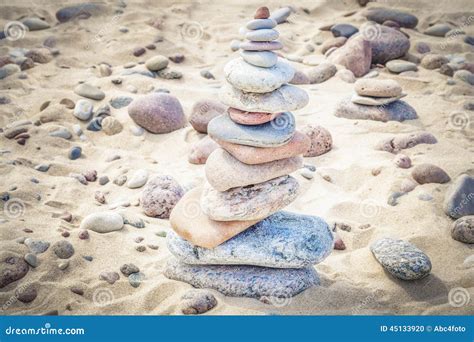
(401, 259)
(395, 111)
(81, 11)
(459, 199)
(244, 281)
(282, 240)
(275, 133)
(380, 15)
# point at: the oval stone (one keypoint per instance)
(463, 229)
(254, 202)
(264, 35)
(250, 78)
(261, 46)
(264, 59)
(401, 259)
(459, 199)
(377, 88)
(224, 172)
(259, 24)
(375, 101)
(271, 134)
(103, 222)
(282, 240)
(284, 99)
(250, 118)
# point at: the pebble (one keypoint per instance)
(425, 197)
(346, 76)
(95, 125)
(120, 180)
(31, 259)
(261, 46)
(88, 258)
(253, 202)
(128, 269)
(135, 279)
(83, 234)
(157, 113)
(90, 175)
(83, 110)
(160, 195)
(262, 13)
(433, 61)
(299, 78)
(62, 265)
(402, 161)
(403, 141)
(204, 111)
(344, 30)
(469, 40)
(272, 134)
(109, 277)
(422, 47)
(249, 78)
(264, 59)
(61, 132)
(169, 74)
(118, 102)
(75, 153)
(395, 111)
(224, 172)
(386, 43)
(67, 103)
(133, 220)
(195, 302)
(63, 249)
(374, 101)
(401, 259)
(138, 179)
(12, 268)
(89, 91)
(157, 63)
(263, 35)
(355, 55)
(36, 246)
(321, 73)
(438, 30)
(429, 173)
(207, 75)
(398, 66)
(259, 24)
(299, 144)
(201, 150)
(378, 88)
(111, 126)
(102, 222)
(40, 55)
(84, 11)
(281, 14)
(35, 24)
(463, 229)
(458, 200)
(308, 174)
(13, 132)
(244, 281)
(321, 140)
(393, 198)
(105, 70)
(332, 42)
(9, 70)
(380, 15)
(464, 76)
(42, 167)
(138, 51)
(26, 294)
(283, 240)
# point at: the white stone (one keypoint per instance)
(138, 179)
(83, 109)
(103, 222)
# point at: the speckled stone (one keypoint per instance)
(401, 259)
(321, 140)
(459, 198)
(244, 281)
(196, 302)
(252, 202)
(284, 99)
(36, 246)
(403, 141)
(224, 172)
(271, 134)
(63, 249)
(283, 240)
(250, 78)
(395, 111)
(433, 61)
(463, 229)
(429, 173)
(160, 195)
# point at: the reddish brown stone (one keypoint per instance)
(262, 13)
(250, 118)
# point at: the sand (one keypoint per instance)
(352, 280)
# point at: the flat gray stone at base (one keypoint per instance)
(282, 240)
(244, 281)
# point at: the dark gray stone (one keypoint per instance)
(120, 101)
(401, 259)
(271, 134)
(463, 229)
(12, 268)
(135, 279)
(128, 269)
(75, 152)
(36, 246)
(380, 15)
(63, 249)
(344, 30)
(459, 199)
(244, 281)
(81, 11)
(387, 43)
(395, 111)
(283, 240)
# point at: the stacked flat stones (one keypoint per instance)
(230, 235)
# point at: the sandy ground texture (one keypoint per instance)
(344, 188)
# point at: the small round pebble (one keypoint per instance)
(75, 153)
(63, 249)
(463, 229)
(196, 302)
(402, 161)
(128, 269)
(321, 140)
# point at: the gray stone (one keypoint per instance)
(375, 101)
(321, 73)
(429, 173)
(31, 259)
(133, 220)
(83, 109)
(109, 277)
(196, 302)
(75, 152)
(281, 14)
(263, 35)
(8, 70)
(157, 63)
(61, 132)
(462, 230)
(398, 66)
(89, 91)
(438, 30)
(250, 78)
(103, 222)
(261, 46)
(459, 199)
(81, 11)
(377, 88)
(63, 249)
(381, 15)
(259, 24)
(264, 59)
(283, 240)
(35, 24)
(395, 111)
(12, 268)
(118, 102)
(36, 246)
(433, 61)
(128, 269)
(465, 76)
(401, 259)
(138, 179)
(253, 202)
(42, 167)
(344, 30)
(286, 98)
(26, 294)
(386, 43)
(245, 281)
(275, 133)
(135, 279)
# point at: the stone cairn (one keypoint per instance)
(230, 235)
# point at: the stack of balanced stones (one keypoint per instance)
(230, 234)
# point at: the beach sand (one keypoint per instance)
(352, 281)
